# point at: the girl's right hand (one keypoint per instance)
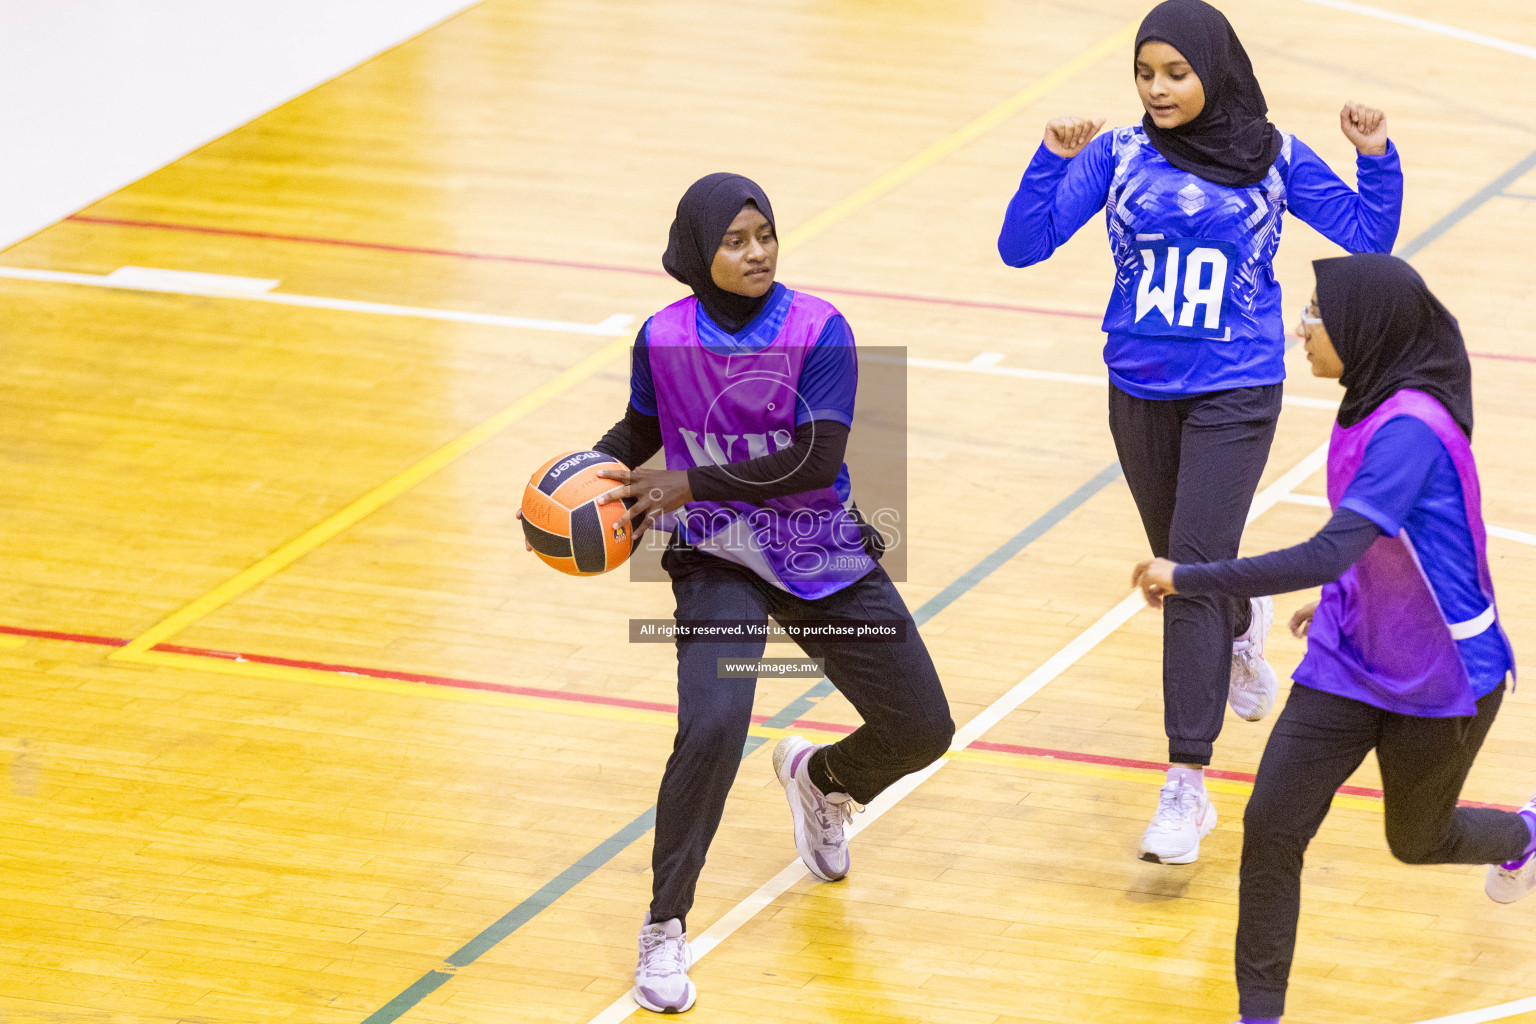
(1066, 136)
(1301, 622)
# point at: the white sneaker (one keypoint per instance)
(1514, 879)
(819, 819)
(661, 976)
(1185, 815)
(1254, 684)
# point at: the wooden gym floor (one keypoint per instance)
(296, 731)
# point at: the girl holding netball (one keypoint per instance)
(1405, 654)
(1194, 196)
(748, 388)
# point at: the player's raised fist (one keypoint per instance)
(1366, 127)
(1066, 136)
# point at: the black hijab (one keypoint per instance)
(1391, 333)
(703, 215)
(1230, 142)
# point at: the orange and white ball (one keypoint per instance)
(563, 521)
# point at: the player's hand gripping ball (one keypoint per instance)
(563, 522)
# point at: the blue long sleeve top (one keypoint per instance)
(1407, 482)
(1195, 306)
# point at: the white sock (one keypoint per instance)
(1191, 776)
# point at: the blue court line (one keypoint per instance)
(516, 917)
(615, 844)
(1492, 190)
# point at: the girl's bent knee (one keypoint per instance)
(1412, 849)
(930, 743)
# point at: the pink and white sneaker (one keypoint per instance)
(1184, 816)
(1253, 685)
(818, 818)
(1514, 879)
(661, 977)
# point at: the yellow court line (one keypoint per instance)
(370, 502)
(1146, 776)
(969, 133)
(6, 640)
(373, 500)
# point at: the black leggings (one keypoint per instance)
(1318, 742)
(893, 686)
(1192, 465)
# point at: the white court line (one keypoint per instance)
(1318, 501)
(1518, 49)
(741, 913)
(1499, 1012)
(988, 364)
(1515, 535)
(221, 286)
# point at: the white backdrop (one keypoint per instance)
(95, 94)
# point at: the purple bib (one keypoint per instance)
(1379, 635)
(724, 399)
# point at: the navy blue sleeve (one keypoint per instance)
(632, 440)
(642, 389)
(1320, 560)
(829, 377)
(1056, 197)
(1364, 221)
(1398, 464)
(809, 464)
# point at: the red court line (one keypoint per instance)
(536, 261)
(415, 250)
(1127, 762)
(74, 638)
(1007, 307)
(612, 268)
(644, 705)
(1502, 356)
(464, 684)
(420, 677)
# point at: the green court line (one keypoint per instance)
(615, 844)
(620, 840)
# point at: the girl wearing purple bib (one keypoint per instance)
(748, 389)
(1405, 653)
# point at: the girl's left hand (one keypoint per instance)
(527, 544)
(1301, 622)
(1155, 578)
(1364, 126)
(655, 491)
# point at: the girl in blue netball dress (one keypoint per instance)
(748, 389)
(1405, 653)
(1194, 198)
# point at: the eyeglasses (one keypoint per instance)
(1308, 319)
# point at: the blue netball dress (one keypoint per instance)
(1195, 306)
